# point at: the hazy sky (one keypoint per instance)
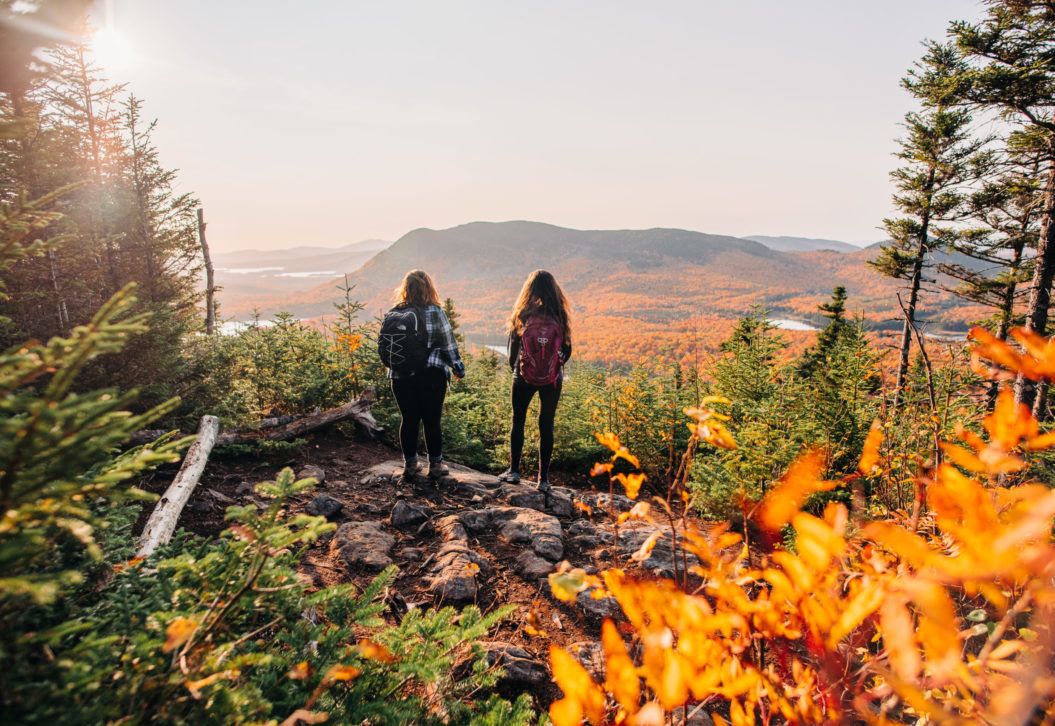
(327, 121)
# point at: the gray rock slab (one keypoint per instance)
(364, 543)
(315, 472)
(453, 574)
(661, 560)
(323, 505)
(520, 666)
(450, 528)
(405, 514)
(522, 495)
(604, 607)
(542, 532)
(532, 567)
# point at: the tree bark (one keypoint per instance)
(910, 309)
(163, 519)
(1043, 272)
(210, 289)
(357, 410)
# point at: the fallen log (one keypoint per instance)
(282, 428)
(162, 522)
(357, 410)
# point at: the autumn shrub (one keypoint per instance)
(940, 613)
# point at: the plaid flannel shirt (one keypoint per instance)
(443, 348)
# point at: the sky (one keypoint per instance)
(326, 122)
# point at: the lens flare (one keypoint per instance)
(111, 50)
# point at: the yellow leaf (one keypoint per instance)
(860, 607)
(899, 637)
(567, 585)
(645, 550)
(303, 715)
(177, 633)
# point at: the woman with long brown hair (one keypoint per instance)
(539, 346)
(419, 391)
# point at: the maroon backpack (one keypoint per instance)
(540, 345)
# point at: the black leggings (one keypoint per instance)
(420, 401)
(548, 397)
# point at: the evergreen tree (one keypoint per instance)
(936, 152)
(829, 336)
(452, 317)
(1006, 210)
(1007, 68)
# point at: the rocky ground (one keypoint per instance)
(467, 538)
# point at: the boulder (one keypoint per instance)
(324, 505)
(408, 515)
(519, 666)
(521, 495)
(451, 528)
(454, 573)
(532, 567)
(603, 607)
(529, 527)
(364, 544)
(561, 505)
(660, 561)
(314, 472)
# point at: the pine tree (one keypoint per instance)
(453, 316)
(1007, 69)
(936, 152)
(829, 336)
(1006, 212)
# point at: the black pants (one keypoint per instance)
(548, 397)
(420, 401)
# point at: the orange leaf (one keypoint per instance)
(300, 672)
(621, 678)
(582, 697)
(631, 483)
(801, 480)
(870, 453)
(376, 651)
(341, 673)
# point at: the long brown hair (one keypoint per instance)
(416, 289)
(541, 295)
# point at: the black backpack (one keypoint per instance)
(403, 340)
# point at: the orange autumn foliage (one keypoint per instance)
(944, 618)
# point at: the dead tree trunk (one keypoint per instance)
(358, 410)
(163, 519)
(210, 288)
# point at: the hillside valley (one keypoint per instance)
(676, 291)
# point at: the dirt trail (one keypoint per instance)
(464, 539)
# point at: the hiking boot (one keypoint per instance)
(438, 469)
(411, 470)
(544, 486)
(513, 477)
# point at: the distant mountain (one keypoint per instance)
(802, 244)
(255, 278)
(635, 292)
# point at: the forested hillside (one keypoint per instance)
(741, 525)
(680, 291)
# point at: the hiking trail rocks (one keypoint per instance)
(364, 544)
(323, 505)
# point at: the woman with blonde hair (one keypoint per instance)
(539, 346)
(418, 346)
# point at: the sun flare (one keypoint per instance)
(111, 49)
